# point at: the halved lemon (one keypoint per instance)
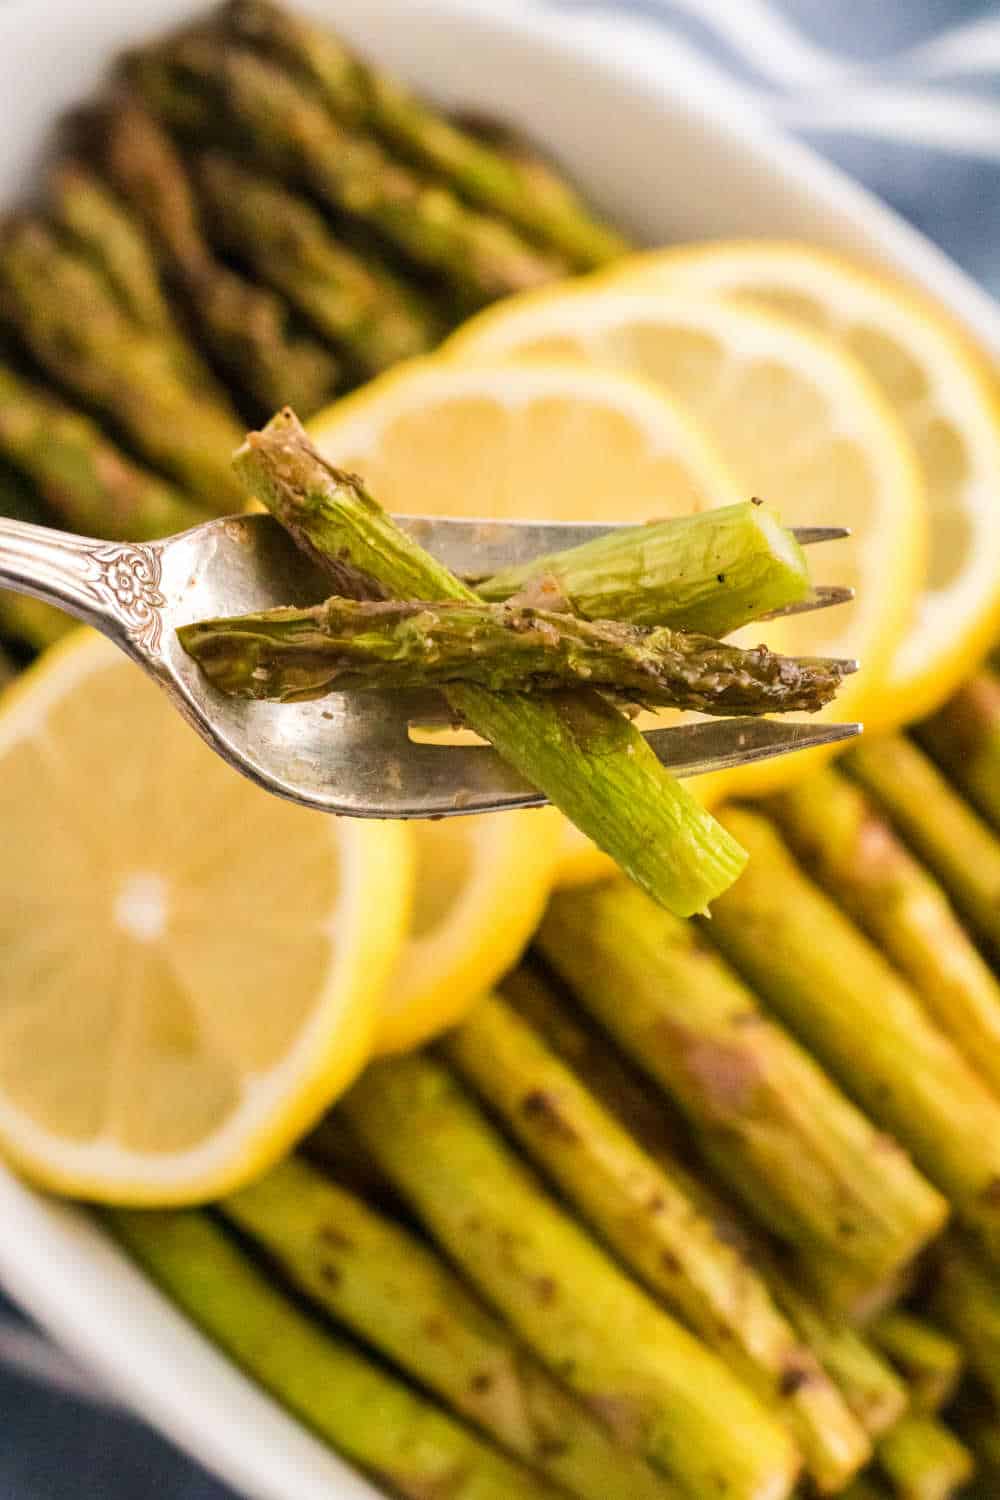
(553, 440)
(943, 392)
(480, 889)
(798, 422)
(192, 969)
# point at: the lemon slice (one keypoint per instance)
(480, 889)
(798, 422)
(192, 968)
(944, 393)
(556, 440)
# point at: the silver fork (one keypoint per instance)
(349, 753)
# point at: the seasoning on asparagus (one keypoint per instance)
(583, 754)
(711, 572)
(928, 1358)
(544, 206)
(804, 1161)
(246, 326)
(938, 824)
(860, 1019)
(368, 312)
(965, 1298)
(202, 84)
(964, 738)
(376, 1420)
(396, 1293)
(659, 1390)
(70, 321)
(923, 1460)
(848, 846)
(873, 1392)
(83, 477)
(656, 1230)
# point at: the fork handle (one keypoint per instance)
(114, 586)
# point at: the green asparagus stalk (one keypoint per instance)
(852, 851)
(545, 207)
(657, 1388)
(656, 1230)
(802, 1159)
(710, 572)
(376, 1421)
(246, 326)
(867, 1487)
(395, 1293)
(873, 1392)
(361, 305)
(923, 1460)
(976, 1420)
(965, 1298)
(588, 759)
(294, 654)
(204, 82)
(862, 1021)
(83, 477)
(938, 824)
(80, 335)
(964, 738)
(22, 618)
(929, 1360)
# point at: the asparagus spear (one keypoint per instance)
(965, 1298)
(397, 1437)
(656, 1230)
(292, 654)
(863, 1021)
(657, 1388)
(543, 206)
(802, 1159)
(84, 340)
(960, 849)
(845, 844)
(22, 618)
(873, 1392)
(923, 1460)
(964, 738)
(81, 474)
(200, 83)
(975, 1419)
(930, 1361)
(353, 300)
(710, 572)
(867, 1487)
(398, 1295)
(246, 326)
(578, 749)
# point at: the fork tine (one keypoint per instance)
(691, 749)
(808, 536)
(822, 597)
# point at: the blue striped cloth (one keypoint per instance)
(905, 95)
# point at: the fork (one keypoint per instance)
(349, 753)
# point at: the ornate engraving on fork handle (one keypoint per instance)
(127, 577)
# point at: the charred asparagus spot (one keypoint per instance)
(577, 749)
(295, 654)
(368, 312)
(505, 179)
(71, 322)
(203, 85)
(377, 1421)
(246, 327)
(396, 1293)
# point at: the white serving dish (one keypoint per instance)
(668, 161)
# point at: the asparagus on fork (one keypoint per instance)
(71, 323)
(658, 1389)
(368, 312)
(655, 1228)
(246, 326)
(847, 1201)
(397, 1294)
(376, 1420)
(202, 85)
(544, 207)
(842, 998)
(578, 749)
